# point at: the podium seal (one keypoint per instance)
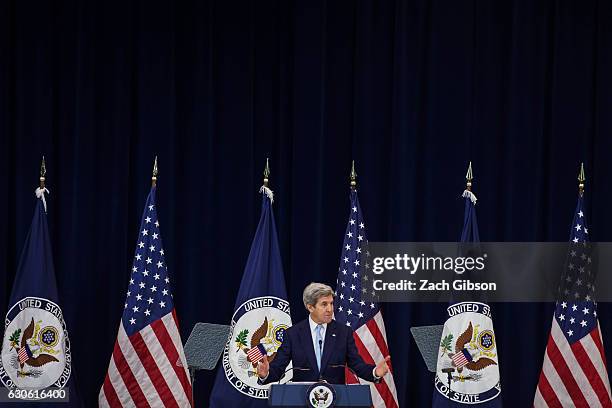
(321, 395)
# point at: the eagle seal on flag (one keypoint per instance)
(35, 348)
(468, 355)
(463, 357)
(258, 329)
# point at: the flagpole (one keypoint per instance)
(468, 185)
(155, 172)
(581, 180)
(265, 189)
(266, 173)
(41, 190)
(353, 177)
(43, 172)
(469, 177)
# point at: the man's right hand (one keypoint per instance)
(263, 368)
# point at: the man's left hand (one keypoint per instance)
(382, 368)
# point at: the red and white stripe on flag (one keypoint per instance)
(573, 375)
(254, 355)
(459, 359)
(148, 369)
(371, 341)
(23, 355)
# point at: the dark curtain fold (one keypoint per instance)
(412, 90)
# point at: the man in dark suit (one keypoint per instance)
(318, 346)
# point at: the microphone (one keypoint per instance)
(292, 369)
(321, 354)
(449, 374)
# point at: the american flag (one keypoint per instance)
(148, 366)
(24, 354)
(574, 372)
(363, 317)
(462, 358)
(257, 353)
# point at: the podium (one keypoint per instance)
(294, 395)
(204, 347)
(427, 339)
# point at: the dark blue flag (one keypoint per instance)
(36, 348)
(261, 317)
(467, 373)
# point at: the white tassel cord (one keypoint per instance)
(470, 195)
(267, 192)
(40, 193)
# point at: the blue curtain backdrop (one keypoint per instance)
(411, 90)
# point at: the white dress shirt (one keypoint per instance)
(313, 333)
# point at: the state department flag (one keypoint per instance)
(35, 346)
(148, 366)
(261, 317)
(467, 358)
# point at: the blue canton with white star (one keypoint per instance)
(576, 312)
(148, 297)
(351, 309)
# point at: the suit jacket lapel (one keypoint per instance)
(330, 341)
(306, 340)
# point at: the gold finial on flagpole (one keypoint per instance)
(581, 179)
(155, 172)
(469, 177)
(353, 177)
(266, 173)
(43, 172)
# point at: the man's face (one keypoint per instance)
(323, 311)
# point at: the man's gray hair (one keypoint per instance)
(314, 291)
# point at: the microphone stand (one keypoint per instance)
(321, 354)
(449, 374)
